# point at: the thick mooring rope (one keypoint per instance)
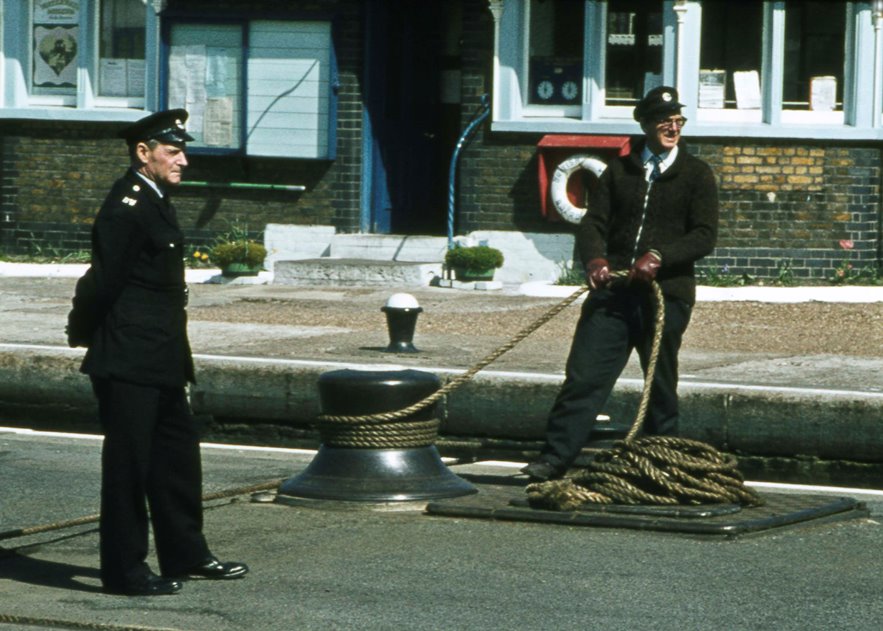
(383, 429)
(637, 470)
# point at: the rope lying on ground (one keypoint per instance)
(649, 469)
(90, 519)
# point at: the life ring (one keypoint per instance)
(558, 188)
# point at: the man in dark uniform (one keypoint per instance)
(654, 213)
(129, 310)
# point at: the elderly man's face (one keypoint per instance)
(663, 133)
(163, 163)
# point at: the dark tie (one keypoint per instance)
(656, 172)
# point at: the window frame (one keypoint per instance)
(17, 98)
(858, 118)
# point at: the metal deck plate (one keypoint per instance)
(507, 502)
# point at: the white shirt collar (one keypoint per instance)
(666, 159)
(150, 183)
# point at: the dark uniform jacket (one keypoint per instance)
(129, 308)
(680, 221)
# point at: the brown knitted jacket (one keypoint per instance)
(680, 221)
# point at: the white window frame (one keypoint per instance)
(860, 117)
(16, 58)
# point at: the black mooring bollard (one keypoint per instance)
(401, 319)
(391, 461)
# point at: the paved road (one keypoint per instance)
(324, 567)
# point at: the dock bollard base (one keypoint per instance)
(376, 475)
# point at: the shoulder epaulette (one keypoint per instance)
(131, 201)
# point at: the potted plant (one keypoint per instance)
(238, 255)
(473, 262)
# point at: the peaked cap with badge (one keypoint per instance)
(658, 102)
(166, 126)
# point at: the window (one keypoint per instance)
(731, 55)
(634, 50)
(77, 59)
(774, 68)
(814, 55)
(261, 87)
(121, 44)
(556, 52)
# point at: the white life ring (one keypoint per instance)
(558, 188)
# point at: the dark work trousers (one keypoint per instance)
(150, 457)
(613, 322)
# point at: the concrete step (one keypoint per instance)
(347, 272)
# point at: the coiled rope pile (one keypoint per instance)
(637, 470)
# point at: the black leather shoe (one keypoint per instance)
(542, 471)
(214, 569)
(147, 585)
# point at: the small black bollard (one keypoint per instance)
(401, 319)
(392, 461)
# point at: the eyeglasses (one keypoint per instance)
(668, 123)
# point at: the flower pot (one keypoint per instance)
(240, 269)
(466, 275)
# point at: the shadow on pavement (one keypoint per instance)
(25, 569)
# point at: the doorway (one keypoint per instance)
(412, 101)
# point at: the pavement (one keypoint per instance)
(332, 565)
(321, 564)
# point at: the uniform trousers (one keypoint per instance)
(150, 457)
(613, 322)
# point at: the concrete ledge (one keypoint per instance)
(752, 420)
(355, 272)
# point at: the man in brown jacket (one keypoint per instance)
(653, 213)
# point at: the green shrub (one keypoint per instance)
(243, 251)
(479, 257)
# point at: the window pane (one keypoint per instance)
(121, 48)
(205, 70)
(732, 34)
(56, 46)
(634, 50)
(556, 52)
(814, 55)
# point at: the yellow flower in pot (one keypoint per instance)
(238, 255)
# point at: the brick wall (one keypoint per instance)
(782, 202)
(789, 205)
(54, 176)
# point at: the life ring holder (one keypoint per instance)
(558, 186)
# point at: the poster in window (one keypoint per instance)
(712, 84)
(823, 94)
(112, 77)
(56, 43)
(187, 70)
(747, 85)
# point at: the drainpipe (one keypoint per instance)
(877, 17)
(482, 113)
